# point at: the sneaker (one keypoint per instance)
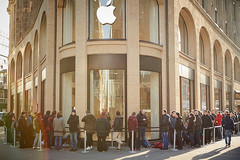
(88, 148)
(164, 148)
(119, 149)
(71, 150)
(34, 147)
(91, 147)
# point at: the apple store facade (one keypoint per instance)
(119, 55)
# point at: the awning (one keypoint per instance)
(237, 95)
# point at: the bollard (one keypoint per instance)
(132, 151)
(174, 141)
(40, 141)
(85, 142)
(5, 141)
(14, 139)
(112, 139)
(222, 133)
(214, 132)
(203, 137)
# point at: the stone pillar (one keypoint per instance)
(133, 63)
(212, 95)
(81, 58)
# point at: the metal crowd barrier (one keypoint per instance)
(5, 130)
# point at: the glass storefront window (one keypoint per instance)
(205, 97)
(28, 100)
(228, 98)
(185, 95)
(68, 93)
(149, 99)
(149, 21)
(107, 31)
(218, 99)
(19, 103)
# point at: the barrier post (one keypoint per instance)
(5, 141)
(238, 128)
(174, 141)
(214, 132)
(203, 137)
(132, 151)
(14, 139)
(85, 142)
(40, 141)
(112, 139)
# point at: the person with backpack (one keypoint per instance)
(89, 126)
(117, 128)
(142, 127)
(228, 126)
(50, 129)
(73, 122)
(59, 130)
(179, 128)
(103, 129)
(37, 126)
(165, 128)
(132, 126)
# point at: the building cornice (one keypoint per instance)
(214, 25)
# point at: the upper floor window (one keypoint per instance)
(202, 51)
(183, 35)
(107, 19)
(215, 59)
(68, 21)
(149, 21)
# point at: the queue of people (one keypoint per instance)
(51, 126)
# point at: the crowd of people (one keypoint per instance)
(51, 126)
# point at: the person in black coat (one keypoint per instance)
(198, 128)
(207, 122)
(228, 126)
(22, 128)
(73, 122)
(103, 129)
(191, 128)
(142, 127)
(179, 128)
(89, 126)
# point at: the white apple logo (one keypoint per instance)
(105, 14)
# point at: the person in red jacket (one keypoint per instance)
(132, 126)
(218, 122)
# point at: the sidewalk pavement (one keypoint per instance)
(215, 151)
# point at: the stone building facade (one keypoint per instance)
(158, 54)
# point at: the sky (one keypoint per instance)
(4, 27)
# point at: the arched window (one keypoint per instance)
(215, 59)
(228, 64)
(19, 65)
(28, 59)
(68, 21)
(202, 50)
(183, 35)
(43, 37)
(149, 21)
(236, 69)
(12, 71)
(35, 52)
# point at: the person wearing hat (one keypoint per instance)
(73, 122)
(228, 126)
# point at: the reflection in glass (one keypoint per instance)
(107, 93)
(68, 94)
(183, 35)
(107, 31)
(218, 97)
(149, 21)
(204, 96)
(185, 95)
(149, 99)
(228, 100)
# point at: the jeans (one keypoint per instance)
(207, 136)
(36, 140)
(89, 139)
(165, 139)
(50, 139)
(228, 134)
(141, 135)
(74, 139)
(191, 138)
(197, 137)
(171, 136)
(117, 137)
(58, 142)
